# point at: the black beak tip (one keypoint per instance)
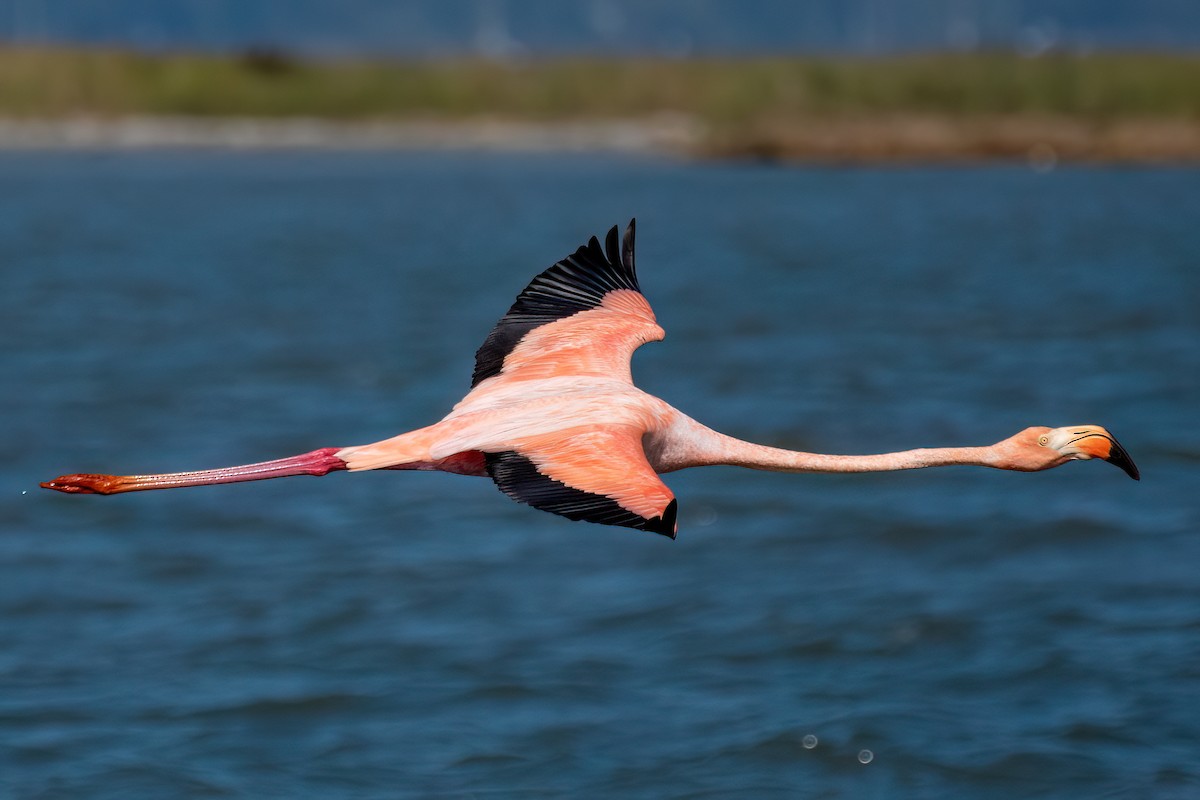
(1119, 458)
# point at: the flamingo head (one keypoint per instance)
(1042, 448)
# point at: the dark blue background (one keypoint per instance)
(984, 634)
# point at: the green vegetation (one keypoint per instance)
(722, 93)
(1108, 107)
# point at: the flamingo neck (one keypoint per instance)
(690, 444)
(735, 452)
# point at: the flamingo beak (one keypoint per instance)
(1092, 441)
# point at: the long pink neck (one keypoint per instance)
(688, 443)
(755, 456)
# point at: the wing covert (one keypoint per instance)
(592, 474)
(595, 279)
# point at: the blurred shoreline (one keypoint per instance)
(930, 107)
(667, 133)
(1042, 141)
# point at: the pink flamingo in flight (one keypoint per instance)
(554, 419)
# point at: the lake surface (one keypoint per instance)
(967, 632)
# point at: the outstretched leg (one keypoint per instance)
(406, 451)
(318, 462)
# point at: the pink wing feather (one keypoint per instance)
(597, 474)
(583, 317)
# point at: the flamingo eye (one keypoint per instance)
(1043, 440)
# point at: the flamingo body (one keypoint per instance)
(554, 419)
(552, 408)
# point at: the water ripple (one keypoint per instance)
(981, 634)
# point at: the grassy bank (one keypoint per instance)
(751, 105)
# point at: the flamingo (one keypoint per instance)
(554, 419)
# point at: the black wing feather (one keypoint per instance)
(518, 477)
(576, 283)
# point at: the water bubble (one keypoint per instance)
(1042, 157)
(809, 742)
(865, 756)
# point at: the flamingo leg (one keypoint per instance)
(318, 462)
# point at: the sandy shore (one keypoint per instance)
(1043, 142)
(661, 133)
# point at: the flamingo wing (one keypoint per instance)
(584, 315)
(592, 473)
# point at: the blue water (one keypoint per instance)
(983, 634)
